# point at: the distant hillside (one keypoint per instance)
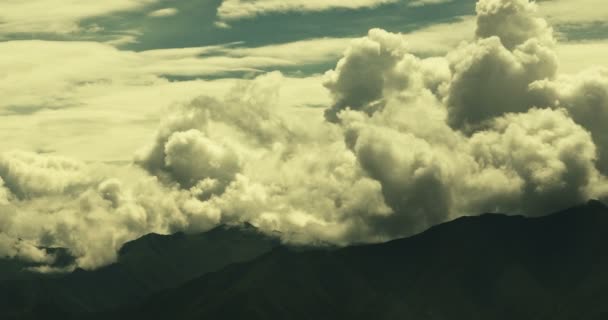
(485, 267)
(475, 268)
(145, 266)
(14, 269)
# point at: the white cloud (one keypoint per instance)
(420, 3)
(238, 9)
(166, 12)
(513, 22)
(217, 162)
(26, 175)
(564, 12)
(438, 39)
(420, 134)
(57, 16)
(68, 105)
(64, 200)
(575, 56)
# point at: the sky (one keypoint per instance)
(328, 121)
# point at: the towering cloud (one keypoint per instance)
(377, 67)
(514, 22)
(585, 96)
(492, 75)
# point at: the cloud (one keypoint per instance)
(587, 11)
(417, 134)
(27, 175)
(405, 140)
(491, 75)
(69, 106)
(239, 9)
(420, 3)
(585, 96)
(414, 182)
(512, 21)
(439, 39)
(166, 12)
(487, 89)
(4, 193)
(58, 202)
(365, 71)
(552, 155)
(14, 248)
(280, 182)
(35, 76)
(242, 9)
(489, 80)
(218, 163)
(58, 16)
(575, 56)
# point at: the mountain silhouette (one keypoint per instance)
(484, 267)
(145, 266)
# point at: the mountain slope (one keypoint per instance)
(145, 266)
(486, 267)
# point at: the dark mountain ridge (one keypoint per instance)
(485, 267)
(482, 267)
(145, 266)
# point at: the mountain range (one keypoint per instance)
(491, 266)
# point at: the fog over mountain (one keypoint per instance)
(407, 137)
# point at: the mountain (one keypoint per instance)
(14, 269)
(145, 266)
(484, 267)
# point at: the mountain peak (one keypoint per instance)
(596, 204)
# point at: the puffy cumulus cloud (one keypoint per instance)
(531, 163)
(551, 155)
(4, 193)
(243, 158)
(188, 148)
(415, 182)
(29, 175)
(489, 80)
(215, 161)
(52, 201)
(512, 21)
(112, 191)
(492, 75)
(461, 134)
(317, 194)
(422, 140)
(585, 96)
(376, 67)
